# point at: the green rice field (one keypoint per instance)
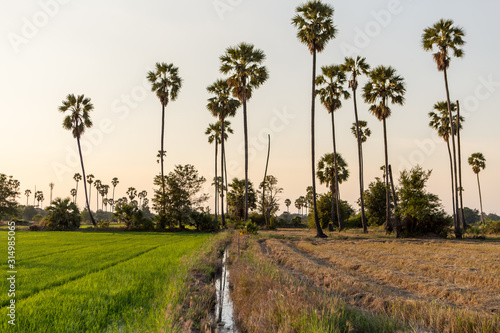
(95, 281)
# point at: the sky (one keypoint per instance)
(104, 49)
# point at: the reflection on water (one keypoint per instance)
(224, 304)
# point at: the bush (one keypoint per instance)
(37, 217)
(204, 221)
(63, 215)
(493, 227)
(296, 221)
(273, 223)
(257, 218)
(324, 205)
(353, 222)
(133, 218)
(251, 228)
(103, 224)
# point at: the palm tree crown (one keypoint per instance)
(314, 21)
(326, 169)
(332, 81)
(477, 161)
(440, 120)
(222, 105)
(79, 118)
(356, 67)
(444, 36)
(214, 131)
(166, 82)
(244, 63)
(364, 131)
(384, 86)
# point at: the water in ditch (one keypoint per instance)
(224, 305)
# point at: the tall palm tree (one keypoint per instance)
(27, 194)
(440, 121)
(51, 186)
(478, 163)
(244, 64)
(97, 185)
(132, 193)
(114, 182)
(214, 132)
(77, 121)
(77, 177)
(383, 87)
(444, 36)
(314, 21)
(166, 82)
(90, 180)
(104, 193)
(364, 132)
(142, 195)
(357, 67)
(39, 197)
(288, 202)
(222, 106)
(332, 171)
(73, 194)
(331, 91)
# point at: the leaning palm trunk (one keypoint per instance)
(458, 232)
(388, 225)
(225, 179)
(84, 177)
(337, 194)
(360, 160)
(319, 231)
(222, 174)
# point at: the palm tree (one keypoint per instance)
(358, 67)
(244, 63)
(332, 170)
(332, 81)
(384, 87)
(77, 177)
(97, 185)
(114, 182)
(288, 202)
(27, 194)
(478, 162)
(104, 193)
(444, 36)
(142, 195)
(314, 21)
(51, 186)
(77, 121)
(214, 132)
(364, 132)
(440, 121)
(132, 193)
(39, 197)
(222, 106)
(105, 204)
(90, 180)
(73, 194)
(166, 82)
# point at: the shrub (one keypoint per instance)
(273, 223)
(353, 222)
(103, 224)
(133, 217)
(493, 227)
(37, 217)
(296, 221)
(63, 215)
(251, 228)
(204, 221)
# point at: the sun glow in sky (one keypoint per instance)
(104, 49)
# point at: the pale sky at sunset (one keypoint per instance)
(104, 49)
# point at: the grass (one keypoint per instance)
(430, 284)
(270, 298)
(105, 282)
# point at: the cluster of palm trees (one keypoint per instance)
(243, 65)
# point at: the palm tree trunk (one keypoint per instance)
(360, 158)
(161, 163)
(76, 195)
(480, 198)
(222, 174)
(216, 185)
(395, 200)
(319, 231)
(452, 182)
(268, 221)
(225, 175)
(113, 205)
(85, 186)
(245, 130)
(462, 217)
(333, 214)
(337, 194)
(90, 192)
(458, 232)
(388, 223)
